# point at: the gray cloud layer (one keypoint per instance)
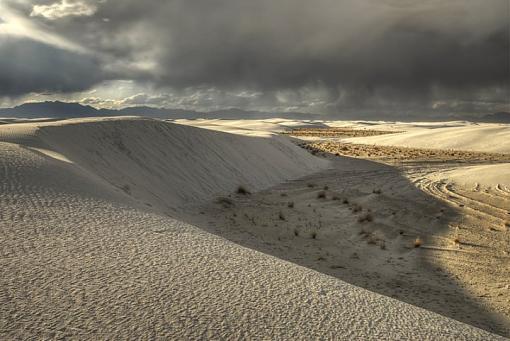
(30, 66)
(362, 53)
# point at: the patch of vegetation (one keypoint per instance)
(290, 204)
(365, 218)
(281, 216)
(242, 190)
(357, 208)
(225, 201)
(321, 195)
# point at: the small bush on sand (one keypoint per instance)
(310, 185)
(345, 201)
(326, 188)
(377, 191)
(321, 195)
(296, 232)
(335, 197)
(418, 242)
(314, 235)
(290, 204)
(283, 194)
(242, 190)
(281, 216)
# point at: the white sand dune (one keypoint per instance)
(473, 137)
(486, 176)
(82, 257)
(265, 127)
(168, 163)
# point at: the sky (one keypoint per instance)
(326, 57)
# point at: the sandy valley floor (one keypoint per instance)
(359, 222)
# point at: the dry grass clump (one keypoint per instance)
(310, 185)
(356, 208)
(367, 217)
(290, 204)
(374, 238)
(225, 201)
(242, 190)
(345, 201)
(325, 188)
(377, 191)
(418, 242)
(281, 216)
(296, 232)
(314, 235)
(321, 195)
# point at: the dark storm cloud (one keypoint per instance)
(288, 44)
(28, 66)
(361, 51)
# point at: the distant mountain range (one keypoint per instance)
(63, 110)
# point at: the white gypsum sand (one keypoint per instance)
(89, 250)
(483, 137)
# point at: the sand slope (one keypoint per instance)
(168, 164)
(82, 259)
(486, 176)
(475, 137)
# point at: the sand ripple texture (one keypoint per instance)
(83, 259)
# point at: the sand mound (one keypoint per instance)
(168, 164)
(486, 175)
(474, 137)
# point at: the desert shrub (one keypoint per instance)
(377, 191)
(314, 235)
(242, 190)
(281, 216)
(321, 195)
(290, 204)
(418, 242)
